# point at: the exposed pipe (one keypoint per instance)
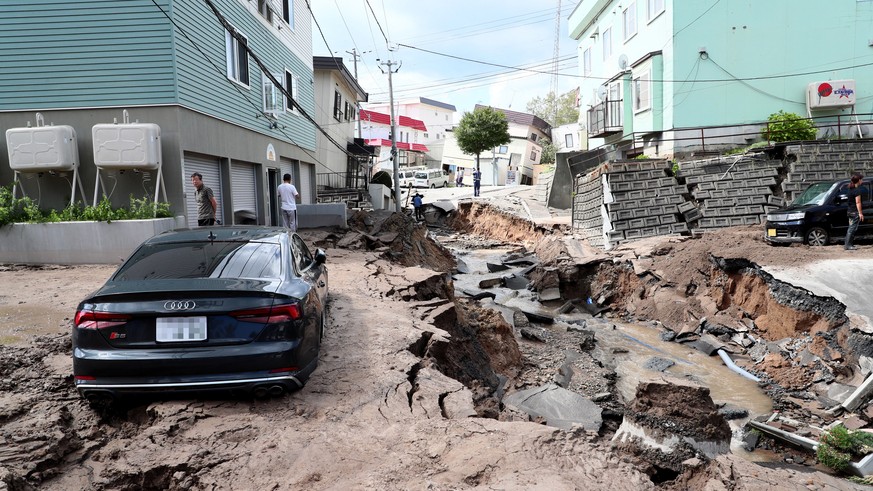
(733, 366)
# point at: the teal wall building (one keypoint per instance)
(655, 73)
(171, 63)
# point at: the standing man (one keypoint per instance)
(288, 200)
(854, 210)
(206, 204)
(477, 181)
(416, 203)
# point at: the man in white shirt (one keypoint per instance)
(288, 200)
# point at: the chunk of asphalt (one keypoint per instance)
(658, 364)
(567, 308)
(515, 282)
(481, 295)
(533, 334)
(493, 268)
(462, 267)
(730, 412)
(491, 282)
(559, 407)
(519, 320)
(541, 318)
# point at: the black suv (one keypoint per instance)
(818, 216)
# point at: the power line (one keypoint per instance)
(377, 21)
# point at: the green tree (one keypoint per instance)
(783, 127)
(549, 150)
(480, 130)
(544, 108)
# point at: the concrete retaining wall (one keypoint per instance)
(78, 242)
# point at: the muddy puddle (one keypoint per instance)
(634, 352)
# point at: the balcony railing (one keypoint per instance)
(340, 180)
(605, 118)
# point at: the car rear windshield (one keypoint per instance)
(203, 260)
(814, 195)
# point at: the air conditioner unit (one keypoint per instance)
(833, 93)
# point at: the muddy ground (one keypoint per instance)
(407, 392)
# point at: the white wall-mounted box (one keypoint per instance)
(42, 148)
(127, 146)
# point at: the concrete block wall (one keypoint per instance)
(588, 207)
(730, 191)
(824, 161)
(642, 200)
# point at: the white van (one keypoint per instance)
(431, 178)
(406, 176)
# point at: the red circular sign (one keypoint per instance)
(825, 90)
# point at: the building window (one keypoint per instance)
(533, 137)
(291, 83)
(288, 12)
(272, 96)
(337, 106)
(653, 8)
(607, 43)
(533, 155)
(349, 111)
(425, 135)
(629, 19)
(642, 92)
(568, 140)
(265, 10)
(237, 58)
(586, 61)
(503, 149)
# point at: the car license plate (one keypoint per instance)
(180, 329)
(771, 232)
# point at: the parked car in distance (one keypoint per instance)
(431, 178)
(237, 308)
(818, 216)
(407, 175)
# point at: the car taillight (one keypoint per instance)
(89, 319)
(269, 315)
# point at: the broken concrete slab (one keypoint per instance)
(480, 295)
(550, 294)
(566, 308)
(839, 392)
(462, 267)
(559, 407)
(445, 206)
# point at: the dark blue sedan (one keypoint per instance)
(221, 308)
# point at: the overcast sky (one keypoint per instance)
(513, 33)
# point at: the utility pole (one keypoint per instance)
(394, 158)
(355, 56)
(555, 54)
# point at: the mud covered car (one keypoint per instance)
(818, 216)
(219, 308)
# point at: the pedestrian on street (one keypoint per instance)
(477, 181)
(416, 203)
(288, 201)
(460, 180)
(854, 210)
(206, 204)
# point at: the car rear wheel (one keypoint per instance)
(817, 236)
(433, 186)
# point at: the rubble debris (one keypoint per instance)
(490, 282)
(675, 417)
(533, 334)
(658, 364)
(494, 268)
(516, 282)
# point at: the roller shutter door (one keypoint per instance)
(210, 170)
(243, 192)
(307, 176)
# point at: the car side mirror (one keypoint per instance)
(320, 256)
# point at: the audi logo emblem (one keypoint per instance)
(177, 305)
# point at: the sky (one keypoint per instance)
(430, 37)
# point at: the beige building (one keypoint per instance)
(436, 116)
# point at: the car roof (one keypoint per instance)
(242, 233)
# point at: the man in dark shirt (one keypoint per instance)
(854, 210)
(477, 181)
(206, 204)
